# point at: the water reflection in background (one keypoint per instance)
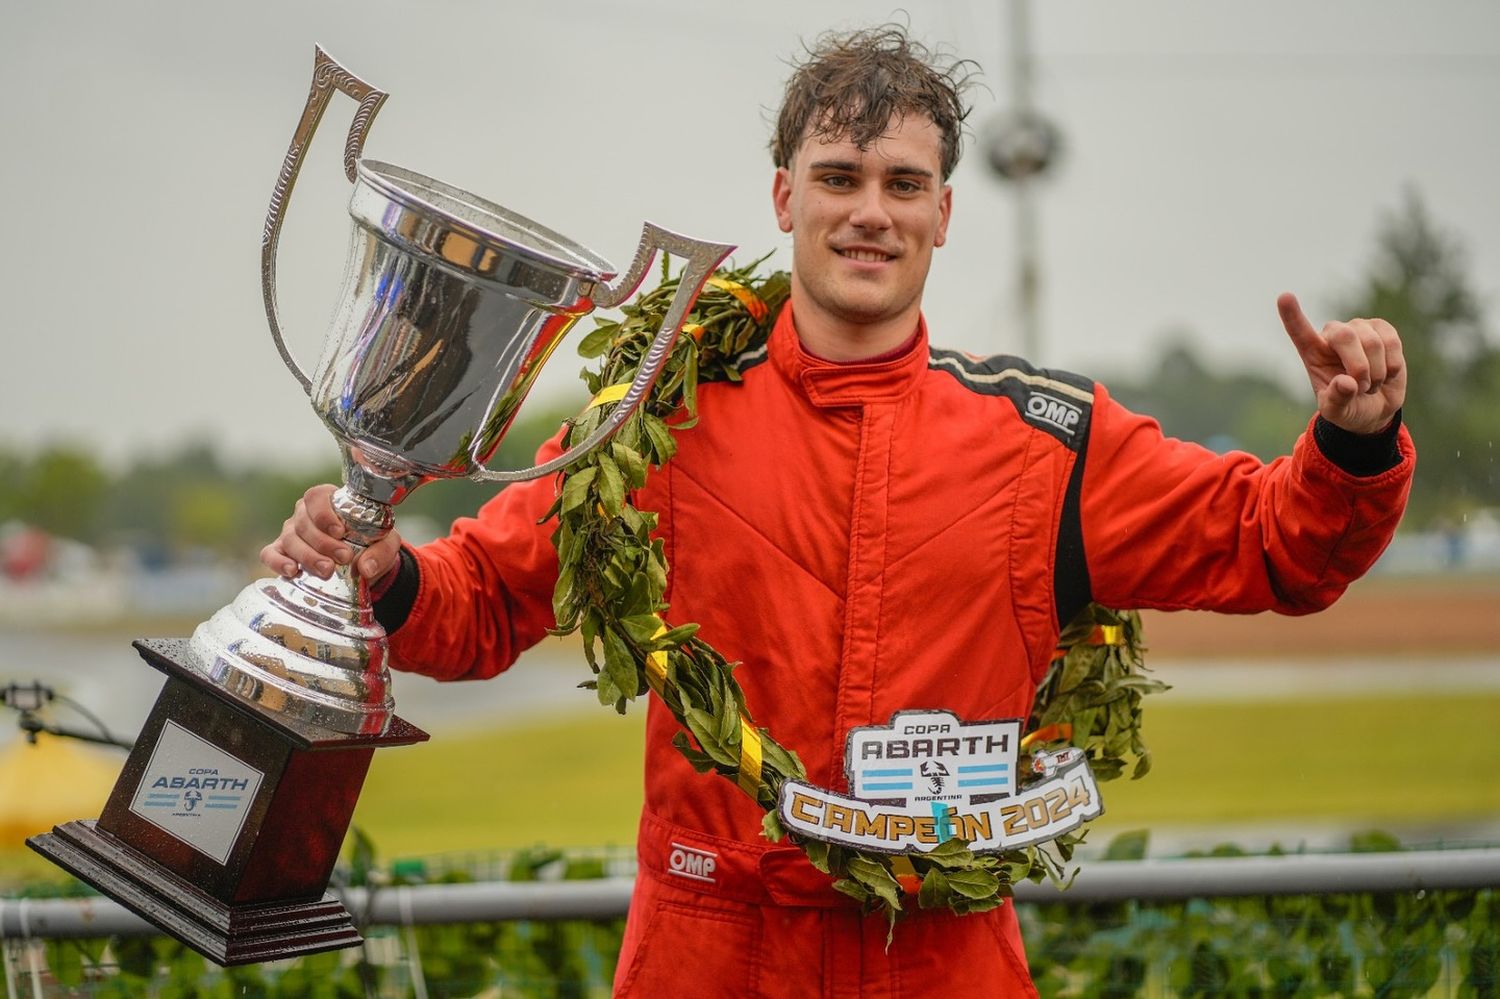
(108, 677)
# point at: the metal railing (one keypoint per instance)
(604, 898)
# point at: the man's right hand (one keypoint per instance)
(312, 539)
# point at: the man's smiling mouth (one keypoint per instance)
(866, 256)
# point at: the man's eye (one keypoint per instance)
(906, 187)
(838, 180)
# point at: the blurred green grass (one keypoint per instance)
(573, 781)
(1373, 761)
(1380, 760)
(1392, 760)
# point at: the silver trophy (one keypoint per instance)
(272, 710)
(450, 307)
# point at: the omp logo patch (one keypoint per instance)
(1053, 411)
(691, 862)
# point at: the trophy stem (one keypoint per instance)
(366, 520)
(308, 648)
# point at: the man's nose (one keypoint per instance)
(870, 209)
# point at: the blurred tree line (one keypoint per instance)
(1417, 280)
(192, 501)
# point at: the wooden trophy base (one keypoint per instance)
(224, 827)
(225, 934)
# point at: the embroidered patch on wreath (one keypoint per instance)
(928, 777)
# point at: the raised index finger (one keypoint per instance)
(1302, 332)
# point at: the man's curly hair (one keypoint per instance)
(852, 85)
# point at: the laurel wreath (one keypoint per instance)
(613, 574)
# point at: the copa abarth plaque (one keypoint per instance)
(928, 777)
(226, 822)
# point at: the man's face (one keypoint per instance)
(864, 222)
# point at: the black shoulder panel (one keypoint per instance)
(753, 357)
(1061, 405)
(1058, 403)
(1072, 589)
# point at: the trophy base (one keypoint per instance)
(224, 826)
(225, 934)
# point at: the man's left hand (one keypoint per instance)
(1356, 368)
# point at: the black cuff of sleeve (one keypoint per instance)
(1363, 455)
(396, 602)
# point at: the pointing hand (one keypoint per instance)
(1356, 368)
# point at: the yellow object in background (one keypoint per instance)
(54, 781)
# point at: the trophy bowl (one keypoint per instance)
(450, 307)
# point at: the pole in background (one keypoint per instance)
(1020, 145)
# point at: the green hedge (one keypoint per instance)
(1442, 943)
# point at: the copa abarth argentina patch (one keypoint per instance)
(928, 777)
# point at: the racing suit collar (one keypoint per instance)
(855, 383)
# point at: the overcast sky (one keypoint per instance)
(1217, 153)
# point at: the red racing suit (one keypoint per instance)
(872, 537)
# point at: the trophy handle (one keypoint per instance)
(701, 258)
(328, 76)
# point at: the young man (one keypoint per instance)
(871, 524)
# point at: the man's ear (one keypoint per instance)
(945, 206)
(781, 198)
